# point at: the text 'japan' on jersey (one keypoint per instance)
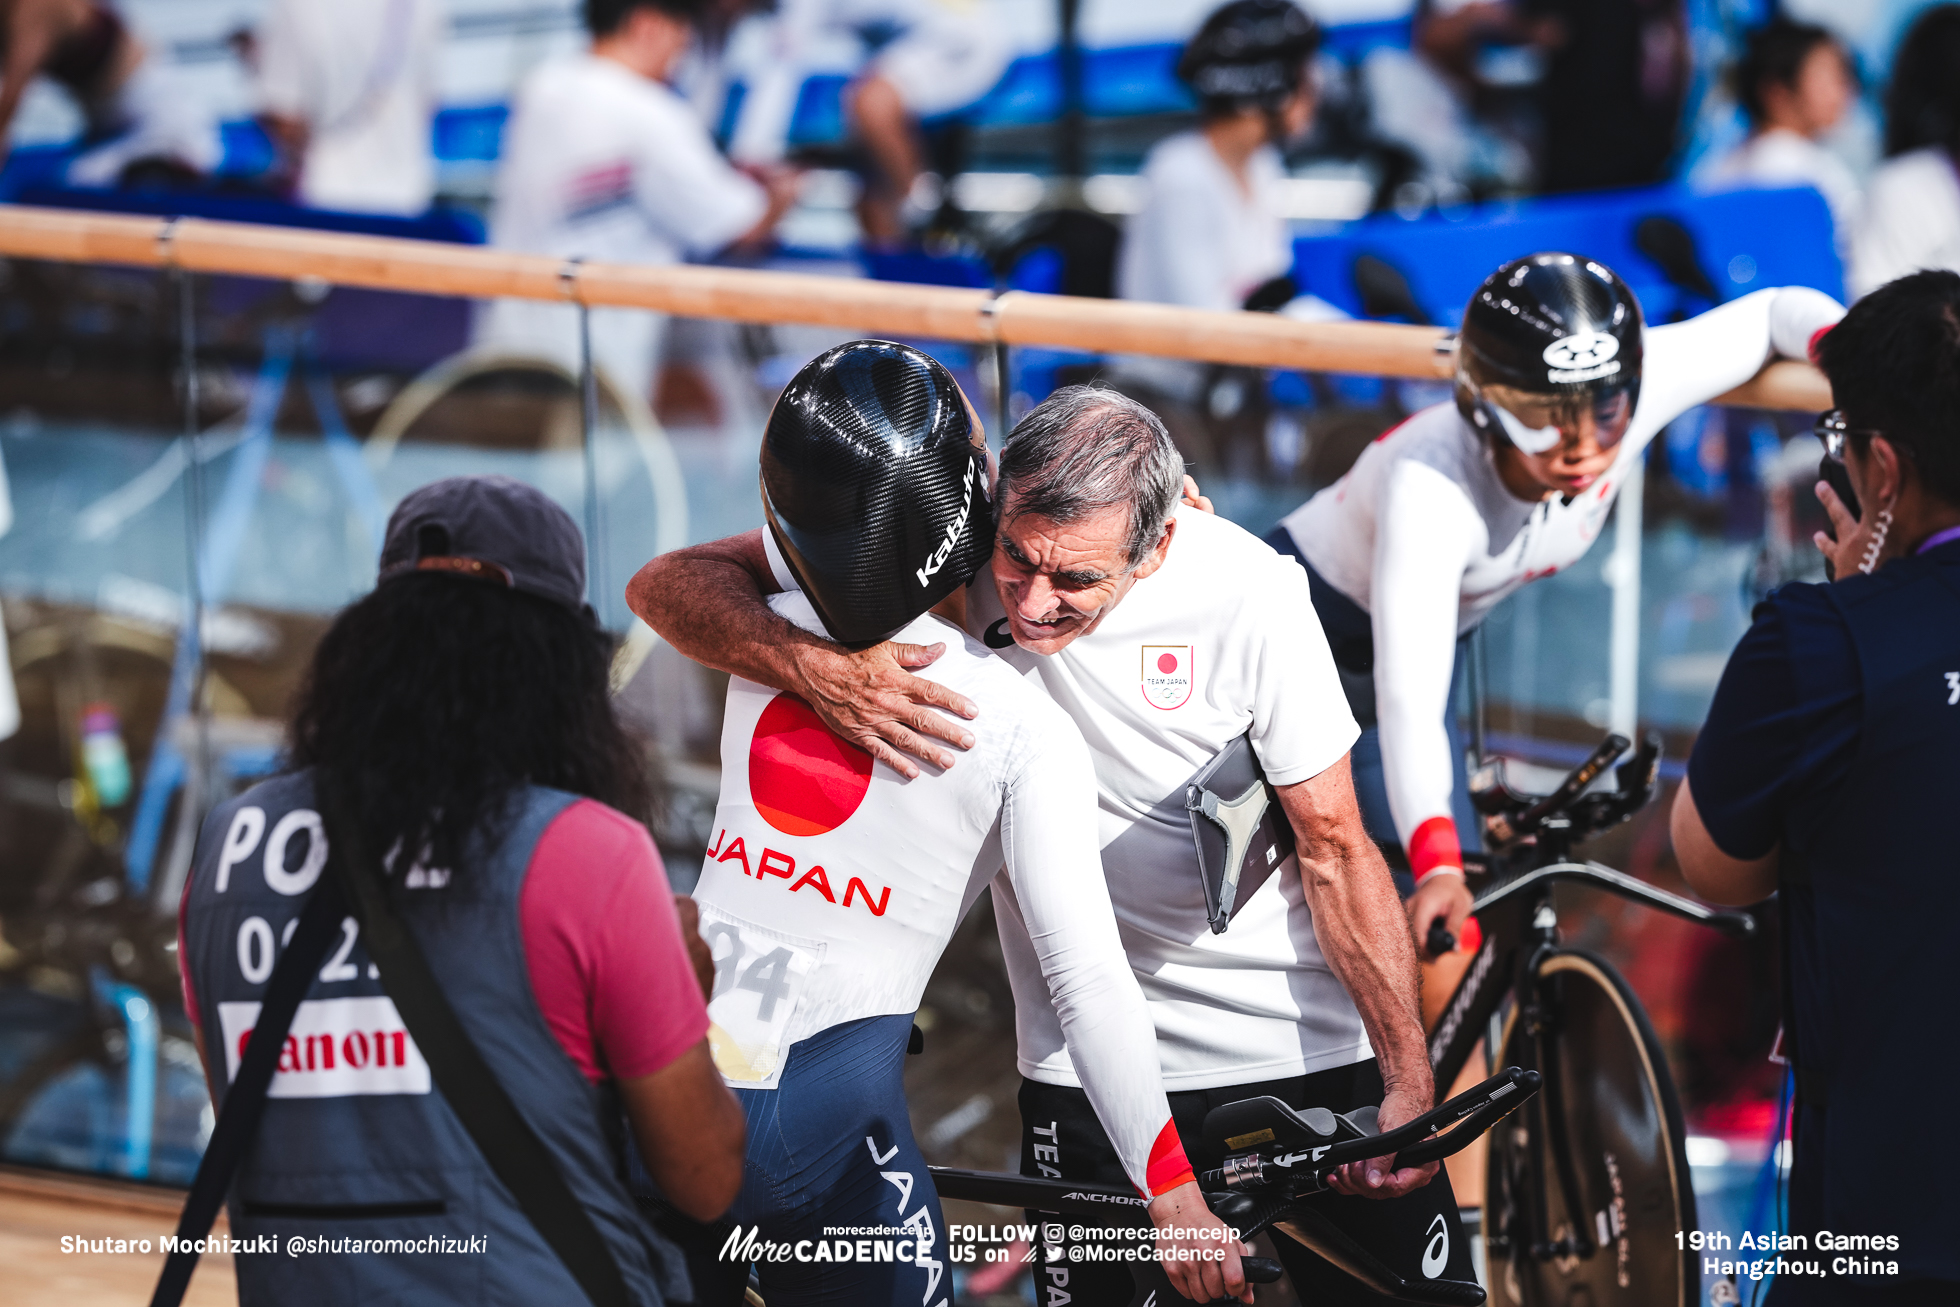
(832, 884)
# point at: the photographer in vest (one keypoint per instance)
(1825, 774)
(461, 713)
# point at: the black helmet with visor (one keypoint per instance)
(1552, 335)
(1250, 54)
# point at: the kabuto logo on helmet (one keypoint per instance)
(1587, 357)
(953, 532)
(870, 464)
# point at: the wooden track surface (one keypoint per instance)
(36, 1210)
(885, 308)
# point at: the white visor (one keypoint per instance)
(1532, 440)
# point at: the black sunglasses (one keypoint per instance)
(1831, 429)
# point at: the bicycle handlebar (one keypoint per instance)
(1510, 816)
(1573, 785)
(1416, 1143)
(1738, 925)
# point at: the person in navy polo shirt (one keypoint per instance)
(1826, 774)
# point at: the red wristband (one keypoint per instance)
(1168, 1167)
(1434, 845)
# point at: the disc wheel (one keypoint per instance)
(1610, 1095)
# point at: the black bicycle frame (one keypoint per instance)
(1518, 922)
(1520, 930)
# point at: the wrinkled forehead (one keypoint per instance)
(1098, 539)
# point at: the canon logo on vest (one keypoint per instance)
(338, 1046)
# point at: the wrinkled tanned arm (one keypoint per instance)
(1364, 936)
(708, 601)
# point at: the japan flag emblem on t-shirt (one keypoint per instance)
(1167, 675)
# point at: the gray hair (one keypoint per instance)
(1086, 449)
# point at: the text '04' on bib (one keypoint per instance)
(760, 979)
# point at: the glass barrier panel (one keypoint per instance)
(317, 408)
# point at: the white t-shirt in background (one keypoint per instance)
(1780, 157)
(1200, 240)
(361, 74)
(1911, 220)
(1220, 641)
(606, 165)
(940, 55)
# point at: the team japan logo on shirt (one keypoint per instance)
(1167, 674)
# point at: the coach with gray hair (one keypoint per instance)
(1169, 635)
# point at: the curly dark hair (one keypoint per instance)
(431, 700)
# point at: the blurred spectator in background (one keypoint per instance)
(1795, 83)
(603, 161)
(1210, 233)
(1611, 95)
(934, 59)
(139, 125)
(348, 92)
(1911, 216)
(1462, 100)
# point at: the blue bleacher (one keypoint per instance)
(1746, 239)
(1118, 82)
(455, 226)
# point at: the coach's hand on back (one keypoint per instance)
(870, 697)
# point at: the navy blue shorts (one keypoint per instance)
(831, 1166)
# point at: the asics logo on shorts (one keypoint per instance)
(1436, 1253)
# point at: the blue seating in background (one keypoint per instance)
(1118, 82)
(1038, 270)
(455, 226)
(1746, 240)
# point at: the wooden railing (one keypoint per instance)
(887, 308)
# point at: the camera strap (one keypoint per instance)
(352, 885)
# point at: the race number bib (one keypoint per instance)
(760, 975)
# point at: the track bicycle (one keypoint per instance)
(1586, 1191)
(1282, 1157)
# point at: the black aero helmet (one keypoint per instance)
(875, 487)
(1250, 54)
(1556, 325)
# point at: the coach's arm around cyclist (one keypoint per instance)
(1826, 774)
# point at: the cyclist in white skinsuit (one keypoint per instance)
(833, 883)
(1559, 390)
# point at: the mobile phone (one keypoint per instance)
(1833, 471)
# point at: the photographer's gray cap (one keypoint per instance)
(489, 528)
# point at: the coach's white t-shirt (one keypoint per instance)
(1220, 641)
